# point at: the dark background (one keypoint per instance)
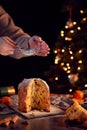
(44, 18)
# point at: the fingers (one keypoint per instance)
(7, 46)
(43, 51)
(7, 52)
(41, 47)
(10, 41)
(42, 54)
(37, 38)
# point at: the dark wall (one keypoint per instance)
(34, 18)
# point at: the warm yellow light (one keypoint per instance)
(62, 64)
(74, 23)
(85, 85)
(78, 68)
(67, 64)
(70, 90)
(68, 71)
(65, 68)
(66, 38)
(84, 19)
(62, 31)
(68, 67)
(80, 51)
(70, 52)
(66, 27)
(79, 28)
(62, 35)
(81, 11)
(63, 50)
(69, 39)
(56, 60)
(55, 51)
(56, 78)
(80, 61)
(71, 31)
(71, 57)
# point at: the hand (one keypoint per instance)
(42, 49)
(7, 46)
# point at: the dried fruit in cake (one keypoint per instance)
(76, 113)
(33, 93)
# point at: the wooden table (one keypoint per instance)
(57, 122)
(49, 123)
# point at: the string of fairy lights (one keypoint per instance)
(74, 53)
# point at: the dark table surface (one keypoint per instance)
(57, 122)
(54, 122)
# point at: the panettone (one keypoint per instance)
(33, 93)
(76, 113)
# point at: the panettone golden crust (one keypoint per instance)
(33, 94)
(76, 113)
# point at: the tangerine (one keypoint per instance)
(5, 100)
(78, 94)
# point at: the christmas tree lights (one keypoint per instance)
(70, 51)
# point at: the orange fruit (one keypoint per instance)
(6, 100)
(78, 94)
